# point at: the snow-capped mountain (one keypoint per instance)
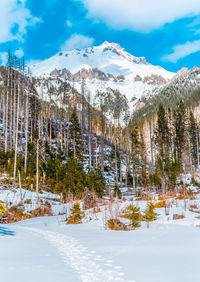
(104, 67)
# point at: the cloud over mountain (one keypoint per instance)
(140, 15)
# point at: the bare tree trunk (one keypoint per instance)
(14, 110)
(83, 105)
(11, 112)
(197, 141)
(26, 134)
(89, 132)
(127, 155)
(20, 186)
(16, 136)
(6, 125)
(37, 172)
(116, 169)
(102, 141)
(96, 153)
(4, 108)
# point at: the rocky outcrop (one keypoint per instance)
(137, 78)
(66, 74)
(93, 73)
(55, 73)
(154, 80)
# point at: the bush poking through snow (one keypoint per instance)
(134, 215)
(27, 201)
(116, 224)
(150, 214)
(191, 194)
(194, 207)
(2, 209)
(159, 205)
(96, 210)
(43, 210)
(14, 214)
(178, 216)
(76, 215)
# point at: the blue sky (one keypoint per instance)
(167, 33)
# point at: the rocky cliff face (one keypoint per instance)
(87, 74)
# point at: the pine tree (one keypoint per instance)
(117, 191)
(96, 181)
(137, 150)
(76, 178)
(162, 134)
(194, 139)
(180, 131)
(75, 137)
(76, 214)
(150, 214)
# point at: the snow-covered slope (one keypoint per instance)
(103, 67)
(47, 249)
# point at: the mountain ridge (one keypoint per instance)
(105, 67)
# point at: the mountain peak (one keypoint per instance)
(112, 44)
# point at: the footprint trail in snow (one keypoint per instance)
(84, 262)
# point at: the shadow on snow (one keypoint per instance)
(6, 232)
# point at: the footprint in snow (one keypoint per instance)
(86, 265)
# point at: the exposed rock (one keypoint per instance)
(138, 78)
(55, 73)
(111, 76)
(154, 79)
(120, 78)
(93, 73)
(66, 74)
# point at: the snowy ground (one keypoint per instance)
(46, 249)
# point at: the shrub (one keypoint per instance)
(116, 224)
(14, 214)
(27, 201)
(96, 210)
(178, 216)
(150, 214)
(191, 194)
(2, 209)
(193, 210)
(194, 207)
(160, 204)
(76, 215)
(194, 182)
(43, 210)
(134, 215)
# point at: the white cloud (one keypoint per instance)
(69, 23)
(19, 53)
(77, 41)
(182, 50)
(14, 19)
(4, 58)
(140, 15)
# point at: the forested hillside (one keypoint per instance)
(54, 138)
